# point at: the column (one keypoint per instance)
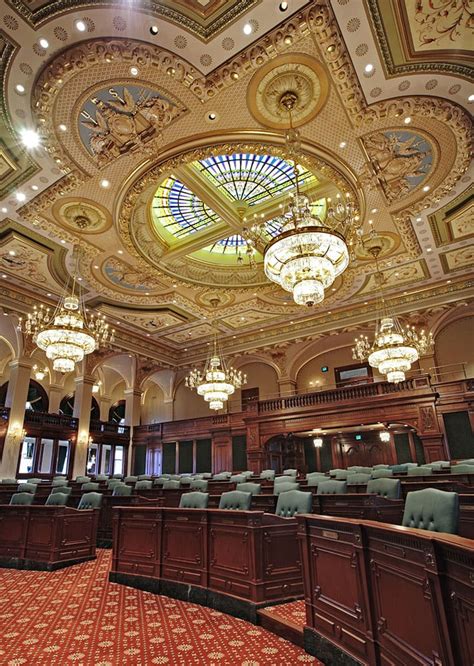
(132, 417)
(82, 411)
(104, 405)
(17, 393)
(168, 410)
(55, 392)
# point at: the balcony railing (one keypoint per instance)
(109, 428)
(52, 420)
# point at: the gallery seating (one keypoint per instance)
(433, 510)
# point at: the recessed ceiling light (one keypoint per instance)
(20, 196)
(49, 294)
(449, 281)
(4, 276)
(212, 116)
(283, 6)
(104, 183)
(134, 71)
(79, 279)
(470, 98)
(34, 187)
(63, 241)
(426, 188)
(428, 249)
(247, 29)
(96, 267)
(154, 29)
(369, 68)
(81, 26)
(43, 43)
(374, 210)
(407, 120)
(4, 210)
(120, 251)
(63, 127)
(418, 219)
(29, 138)
(20, 88)
(343, 144)
(12, 253)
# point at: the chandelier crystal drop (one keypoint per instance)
(395, 348)
(67, 333)
(308, 254)
(216, 382)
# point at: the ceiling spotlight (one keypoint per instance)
(12, 253)
(470, 98)
(407, 120)
(63, 127)
(374, 210)
(154, 29)
(247, 29)
(30, 138)
(20, 196)
(105, 183)
(34, 187)
(63, 241)
(120, 251)
(418, 219)
(343, 144)
(283, 6)
(43, 43)
(428, 249)
(426, 188)
(20, 88)
(81, 26)
(134, 71)
(4, 210)
(369, 68)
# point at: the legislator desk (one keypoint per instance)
(366, 507)
(235, 561)
(384, 594)
(109, 502)
(46, 537)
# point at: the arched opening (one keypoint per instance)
(66, 407)
(36, 401)
(117, 412)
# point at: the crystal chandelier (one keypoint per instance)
(217, 381)
(308, 254)
(395, 347)
(68, 333)
(384, 436)
(318, 442)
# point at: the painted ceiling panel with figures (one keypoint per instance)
(163, 169)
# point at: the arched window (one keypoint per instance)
(66, 407)
(37, 400)
(117, 412)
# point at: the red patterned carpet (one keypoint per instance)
(75, 616)
(293, 613)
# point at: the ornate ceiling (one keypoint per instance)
(162, 139)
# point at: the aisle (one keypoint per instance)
(75, 616)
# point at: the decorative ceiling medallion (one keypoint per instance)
(116, 120)
(294, 72)
(207, 298)
(458, 260)
(401, 160)
(454, 221)
(389, 243)
(151, 322)
(84, 216)
(415, 271)
(124, 276)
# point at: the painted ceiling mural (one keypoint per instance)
(160, 151)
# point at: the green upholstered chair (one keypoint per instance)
(122, 490)
(354, 468)
(292, 502)
(61, 490)
(462, 468)
(59, 482)
(195, 500)
(91, 485)
(111, 483)
(101, 477)
(22, 499)
(283, 479)
(174, 477)
(90, 501)
(341, 474)
(118, 476)
(249, 487)
(290, 472)
(36, 481)
(409, 465)
(83, 479)
(423, 470)
(389, 488)
(159, 481)
(145, 484)
(467, 461)
(314, 481)
(130, 479)
(235, 500)
(399, 469)
(382, 473)
(268, 474)
(237, 478)
(9, 481)
(381, 467)
(60, 478)
(57, 499)
(332, 487)
(357, 477)
(332, 472)
(144, 477)
(248, 474)
(171, 484)
(433, 510)
(207, 475)
(222, 476)
(199, 484)
(285, 487)
(311, 475)
(27, 488)
(185, 481)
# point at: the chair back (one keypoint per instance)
(83, 479)
(59, 482)
(381, 467)
(199, 484)
(171, 484)
(311, 475)
(111, 483)
(195, 500)
(36, 481)
(27, 488)
(10, 481)
(382, 473)
(357, 477)
(57, 499)
(399, 469)
(235, 500)
(90, 486)
(332, 487)
(285, 487)
(283, 479)
(332, 472)
(267, 474)
(61, 490)
(118, 476)
(423, 470)
(248, 474)
(101, 477)
(222, 476)
(130, 479)
(290, 472)
(144, 477)
(159, 481)
(206, 475)
(22, 499)
(238, 478)
(410, 464)
(185, 481)
(249, 487)
(292, 502)
(341, 474)
(389, 488)
(145, 484)
(122, 490)
(463, 468)
(432, 509)
(90, 501)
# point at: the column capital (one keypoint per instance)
(22, 362)
(134, 392)
(85, 379)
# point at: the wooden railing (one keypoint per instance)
(110, 428)
(53, 420)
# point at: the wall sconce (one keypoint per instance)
(96, 387)
(40, 373)
(17, 432)
(318, 442)
(384, 436)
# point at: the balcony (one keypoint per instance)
(45, 420)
